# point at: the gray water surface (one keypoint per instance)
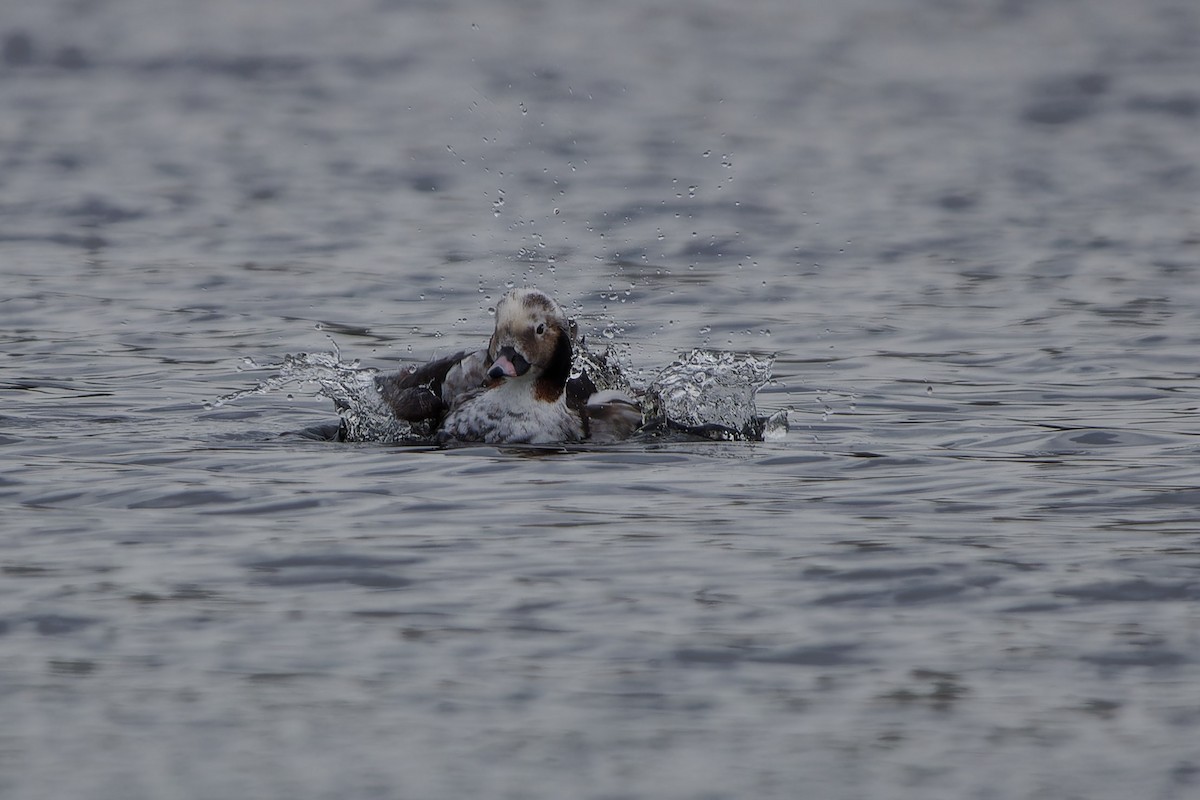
(968, 232)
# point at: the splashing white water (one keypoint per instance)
(713, 391)
(605, 369)
(706, 392)
(365, 417)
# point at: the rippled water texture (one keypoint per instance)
(967, 232)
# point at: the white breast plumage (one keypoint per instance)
(508, 413)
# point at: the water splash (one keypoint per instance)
(605, 369)
(713, 393)
(709, 393)
(351, 387)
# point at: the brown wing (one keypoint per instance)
(416, 395)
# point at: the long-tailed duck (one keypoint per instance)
(518, 389)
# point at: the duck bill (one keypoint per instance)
(508, 364)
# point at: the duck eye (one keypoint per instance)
(540, 329)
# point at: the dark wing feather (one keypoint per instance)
(416, 395)
(578, 391)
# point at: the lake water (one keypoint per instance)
(967, 230)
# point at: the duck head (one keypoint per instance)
(532, 340)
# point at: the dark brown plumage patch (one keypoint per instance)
(578, 391)
(546, 391)
(415, 395)
(553, 380)
(431, 374)
(415, 404)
